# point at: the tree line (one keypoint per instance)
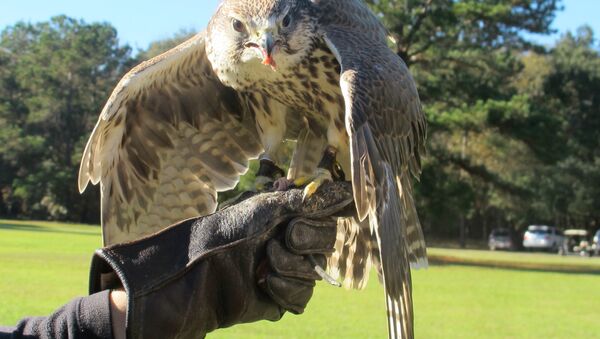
(513, 133)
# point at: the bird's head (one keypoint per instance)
(249, 40)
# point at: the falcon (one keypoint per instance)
(182, 127)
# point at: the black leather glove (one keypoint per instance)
(245, 263)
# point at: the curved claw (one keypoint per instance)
(321, 272)
(321, 176)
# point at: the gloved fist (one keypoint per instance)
(248, 262)
(293, 275)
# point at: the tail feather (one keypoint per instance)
(415, 241)
(384, 195)
(352, 259)
(389, 220)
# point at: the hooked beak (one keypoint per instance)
(266, 45)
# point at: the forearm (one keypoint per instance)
(87, 317)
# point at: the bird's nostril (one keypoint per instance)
(251, 45)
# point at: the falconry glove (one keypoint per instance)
(242, 264)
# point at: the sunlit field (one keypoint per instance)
(43, 265)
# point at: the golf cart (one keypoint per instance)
(576, 242)
(596, 243)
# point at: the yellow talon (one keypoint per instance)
(321, 176)
(310, 189)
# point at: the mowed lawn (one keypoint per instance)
(43, 265)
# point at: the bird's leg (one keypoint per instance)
(267, 174)
(327, 170)
(271, 127)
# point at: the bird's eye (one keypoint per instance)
(238, 26)
(287, 20)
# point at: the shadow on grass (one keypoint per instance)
(36, 228)
(516, 266)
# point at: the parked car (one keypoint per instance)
(576, 241)
(501, 239)
(543, 237)
(596, 243)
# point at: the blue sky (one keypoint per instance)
(140, 22)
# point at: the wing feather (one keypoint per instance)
(386, 128)
(169, 138)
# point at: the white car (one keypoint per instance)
(500, 239)
(543, 237)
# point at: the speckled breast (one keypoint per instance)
(312, 88)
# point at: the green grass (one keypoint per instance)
(42, 265)
(534, 260)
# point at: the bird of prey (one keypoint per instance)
(182, 126)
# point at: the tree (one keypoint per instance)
(570, 99)
(463, 55)
(55, 78)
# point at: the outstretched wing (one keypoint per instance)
(169, 138)
(386, 128)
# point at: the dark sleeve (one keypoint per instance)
(87, 317)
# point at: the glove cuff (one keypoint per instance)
(188, 279)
